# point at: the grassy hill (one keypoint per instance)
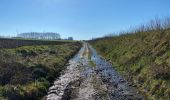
(142, 56)
(27, 71)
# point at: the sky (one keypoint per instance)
(81, 19)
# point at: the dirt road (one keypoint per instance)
(89, 77)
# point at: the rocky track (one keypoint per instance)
(89, 77)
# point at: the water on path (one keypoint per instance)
(89, 77)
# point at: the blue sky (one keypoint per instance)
(82, 19)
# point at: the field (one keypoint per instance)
(12, 43)
(29, 67)
(143, 57)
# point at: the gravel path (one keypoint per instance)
(89, 77)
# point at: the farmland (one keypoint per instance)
(12, 43)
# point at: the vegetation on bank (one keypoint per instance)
(26, 72)
(142, 56)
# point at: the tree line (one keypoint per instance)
(36, 35)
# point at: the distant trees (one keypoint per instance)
(70, 38)
(36, 35)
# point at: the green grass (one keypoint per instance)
(92, 63)
(143, 58)
(28, 71)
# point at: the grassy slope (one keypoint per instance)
(144, 59)
(26, 72)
